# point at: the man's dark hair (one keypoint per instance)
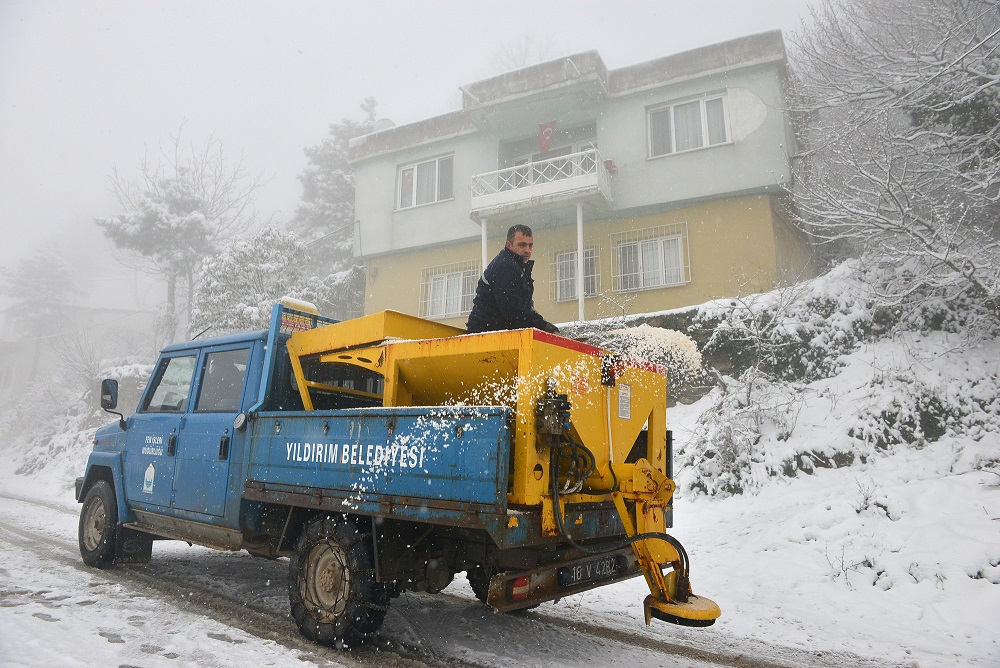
(514, 229)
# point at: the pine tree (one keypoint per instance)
(239, 286)
(325, 219)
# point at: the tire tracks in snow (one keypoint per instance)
(411, 637)
(254, 620)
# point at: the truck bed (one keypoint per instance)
(440, 465)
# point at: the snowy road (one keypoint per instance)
(193, 606)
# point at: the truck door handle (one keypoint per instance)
(171, 445)
(224, 447)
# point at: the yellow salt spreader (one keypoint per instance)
(538, 464)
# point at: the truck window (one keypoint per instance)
(222, 381)
(173, 384)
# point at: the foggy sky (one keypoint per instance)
(84, 87)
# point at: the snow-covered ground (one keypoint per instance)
(891, 561)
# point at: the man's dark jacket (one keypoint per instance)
(504, 297)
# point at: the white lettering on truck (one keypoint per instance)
(356, 454)
(153, 446)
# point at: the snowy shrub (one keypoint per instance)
(803, 333)
(913, 370)
(54, 425)
(723, 456)
(672, 349)
(906, 410)
(798, 333)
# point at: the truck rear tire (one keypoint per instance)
(332, 591)
(99, 525)
(479, 580)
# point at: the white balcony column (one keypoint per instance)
(579, 261)
(482, 226)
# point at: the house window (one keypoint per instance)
(685, 126)
(655, 257)
(426, 182)
(564, 274)
(448, 290)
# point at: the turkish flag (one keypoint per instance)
(545, 132)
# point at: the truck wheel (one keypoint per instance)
(479, 580)
(99, 525)
(334, 597)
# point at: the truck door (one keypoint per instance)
(201, 476)
(152, 438)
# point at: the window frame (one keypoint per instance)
(704, 129)
(157, 383)
(668, 275)
(414, 182)
(208, 383)
(468, 274)
(591, 255)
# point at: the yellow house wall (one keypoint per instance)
(795, 257)
(393, 281)
(733, 244)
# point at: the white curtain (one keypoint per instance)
(687, 125)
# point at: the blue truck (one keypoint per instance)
(388, 453)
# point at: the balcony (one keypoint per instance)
(583, 177)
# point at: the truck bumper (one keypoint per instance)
(513, 590)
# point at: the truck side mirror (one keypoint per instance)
(109, 394)
(109, 400)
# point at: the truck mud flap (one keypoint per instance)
(513, 590)
(132, 547)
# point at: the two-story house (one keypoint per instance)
(650, 187)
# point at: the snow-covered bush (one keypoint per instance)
(797, 333)
(904, 409)
(672, 349)
(54, 424)
(803, 332)
(724, 454)
(895, 359)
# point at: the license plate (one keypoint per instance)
(598, 569)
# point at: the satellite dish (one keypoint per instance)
(383, 124)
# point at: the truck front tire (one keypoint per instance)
(332, 591)
(99, 525)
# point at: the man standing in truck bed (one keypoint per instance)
(504, 293)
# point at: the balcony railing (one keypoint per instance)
(561, 178)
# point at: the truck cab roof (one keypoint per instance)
(225, 339)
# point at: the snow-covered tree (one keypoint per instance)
(239, 286)
(901, 109)
(328, 181)
(182, 205)
(38, 286)
(325, 218)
